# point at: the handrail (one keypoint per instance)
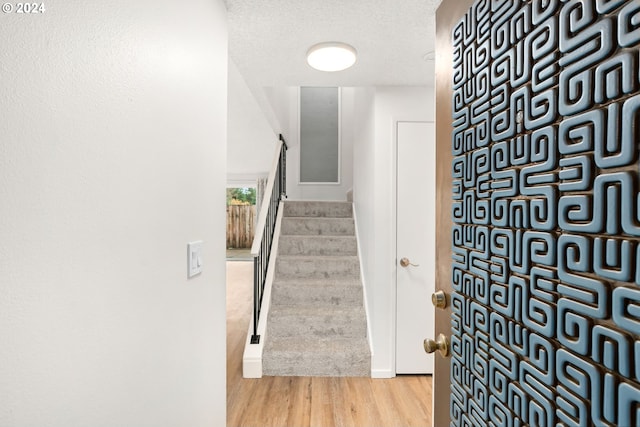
(275, 191)
(262, 217)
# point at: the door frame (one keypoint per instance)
(447, 16)
(394, 221)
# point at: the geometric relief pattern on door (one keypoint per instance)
(546, 212)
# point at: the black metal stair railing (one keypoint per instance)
(275, 191)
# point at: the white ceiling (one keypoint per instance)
(268, 40)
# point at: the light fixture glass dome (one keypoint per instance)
(331, 56)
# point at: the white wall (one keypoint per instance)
(251, 139)
(291, 129)
(112, 158)
(376, 111)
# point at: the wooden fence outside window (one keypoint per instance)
(240, 226)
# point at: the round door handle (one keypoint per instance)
(441, 344)
(406, 263)
(439, 299)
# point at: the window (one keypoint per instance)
(319, 135)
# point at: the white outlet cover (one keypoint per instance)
(194, 258)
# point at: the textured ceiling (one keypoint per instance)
(268, 40)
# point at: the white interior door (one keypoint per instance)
(415, 242)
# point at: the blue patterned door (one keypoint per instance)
(546, 214)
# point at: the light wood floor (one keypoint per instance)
(311, 401)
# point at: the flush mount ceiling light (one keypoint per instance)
(331, 56)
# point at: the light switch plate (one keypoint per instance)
(194, 258)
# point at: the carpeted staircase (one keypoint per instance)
(317, 324)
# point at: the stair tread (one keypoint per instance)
(317, 226)
(309, 292)
(317, 321)
(319, 236)
(312, 282)
(315, 257)
(312, 203)
(319, 218)
(327, 345)
(320, 209)
(316, 310)
(317, 266)
(320, 245)
(317, 357)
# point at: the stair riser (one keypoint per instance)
(296, 245)
(318, 209)
(318, 365)
(346, 297)
(317, 326)
(317, 269)
(321, 227)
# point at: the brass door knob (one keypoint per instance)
(439, 299)
(441, 344)
(406, 263)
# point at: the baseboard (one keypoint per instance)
(252, 356)
(364, 284)
(382, 373)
